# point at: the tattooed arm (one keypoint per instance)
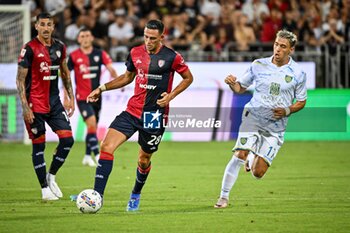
(20, 81)
(69, 102)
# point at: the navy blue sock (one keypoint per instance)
(61, 154)
(87, 145)
(141, 177)
(103, 170)
(39, 163)
(93, 142)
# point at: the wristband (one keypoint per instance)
(102, 87)
(287, 111)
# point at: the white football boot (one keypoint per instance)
(221, 203)
(53, 185)
(88, 161)
(97, 157)
(47, 194)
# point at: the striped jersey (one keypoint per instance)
(43, 63)
(154, 75)
(87, 70)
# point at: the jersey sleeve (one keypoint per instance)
(70, 63)
(179, 64)
(248, 77)
(26, 57)
(106, 59)
(130, 64)
(64, 53)
(300, 90)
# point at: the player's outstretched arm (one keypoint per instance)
(65, 75)
(112, 71)
(119, 82)
(234, 85)
(278, 113)
(187, 79)
(20, 82)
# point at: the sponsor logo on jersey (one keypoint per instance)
(40, 55)
(288, 78)
(140, 74)
(50, 77)
(58, 53)
(96, 58)
(93, 68)
(83, 68)
(146, 86)
(161, 63)
(79, 60)
(87, 76)
(275, 88)
(44, 67)
(54, 67)
(243, 140)
(152, 120)
(154, 76)
(138, 61)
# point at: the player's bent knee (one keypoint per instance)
(144, 159)
(258, 173)
(144, 162)
(67, 142)
(241, 154)
(107, 147)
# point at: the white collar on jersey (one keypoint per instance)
(288, 64)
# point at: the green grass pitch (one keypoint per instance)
(307, 189)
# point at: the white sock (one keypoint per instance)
(250, 159)
(230, 176)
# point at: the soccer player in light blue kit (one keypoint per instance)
(278, 82)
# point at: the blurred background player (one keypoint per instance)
(153, 65)
(37, 82)
(278, 81)
(86, 62)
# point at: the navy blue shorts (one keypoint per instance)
(89, 109)
(127, 124)
(57, 119)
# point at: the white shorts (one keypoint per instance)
(255, 138)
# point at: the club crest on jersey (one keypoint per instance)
(243, 141)
(96, 58)
(161, 63)
(288, 78)
(58, 53)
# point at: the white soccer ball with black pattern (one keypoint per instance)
(89, 201)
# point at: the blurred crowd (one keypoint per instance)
(200, 25)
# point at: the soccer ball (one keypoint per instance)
(89, 201)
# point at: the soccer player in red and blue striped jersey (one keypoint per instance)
(87, 62)
(37, 82)
(152, 66)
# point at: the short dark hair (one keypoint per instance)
(155, 24)
(43, 15)
(84, 29)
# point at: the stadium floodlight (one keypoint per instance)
(14, 31)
